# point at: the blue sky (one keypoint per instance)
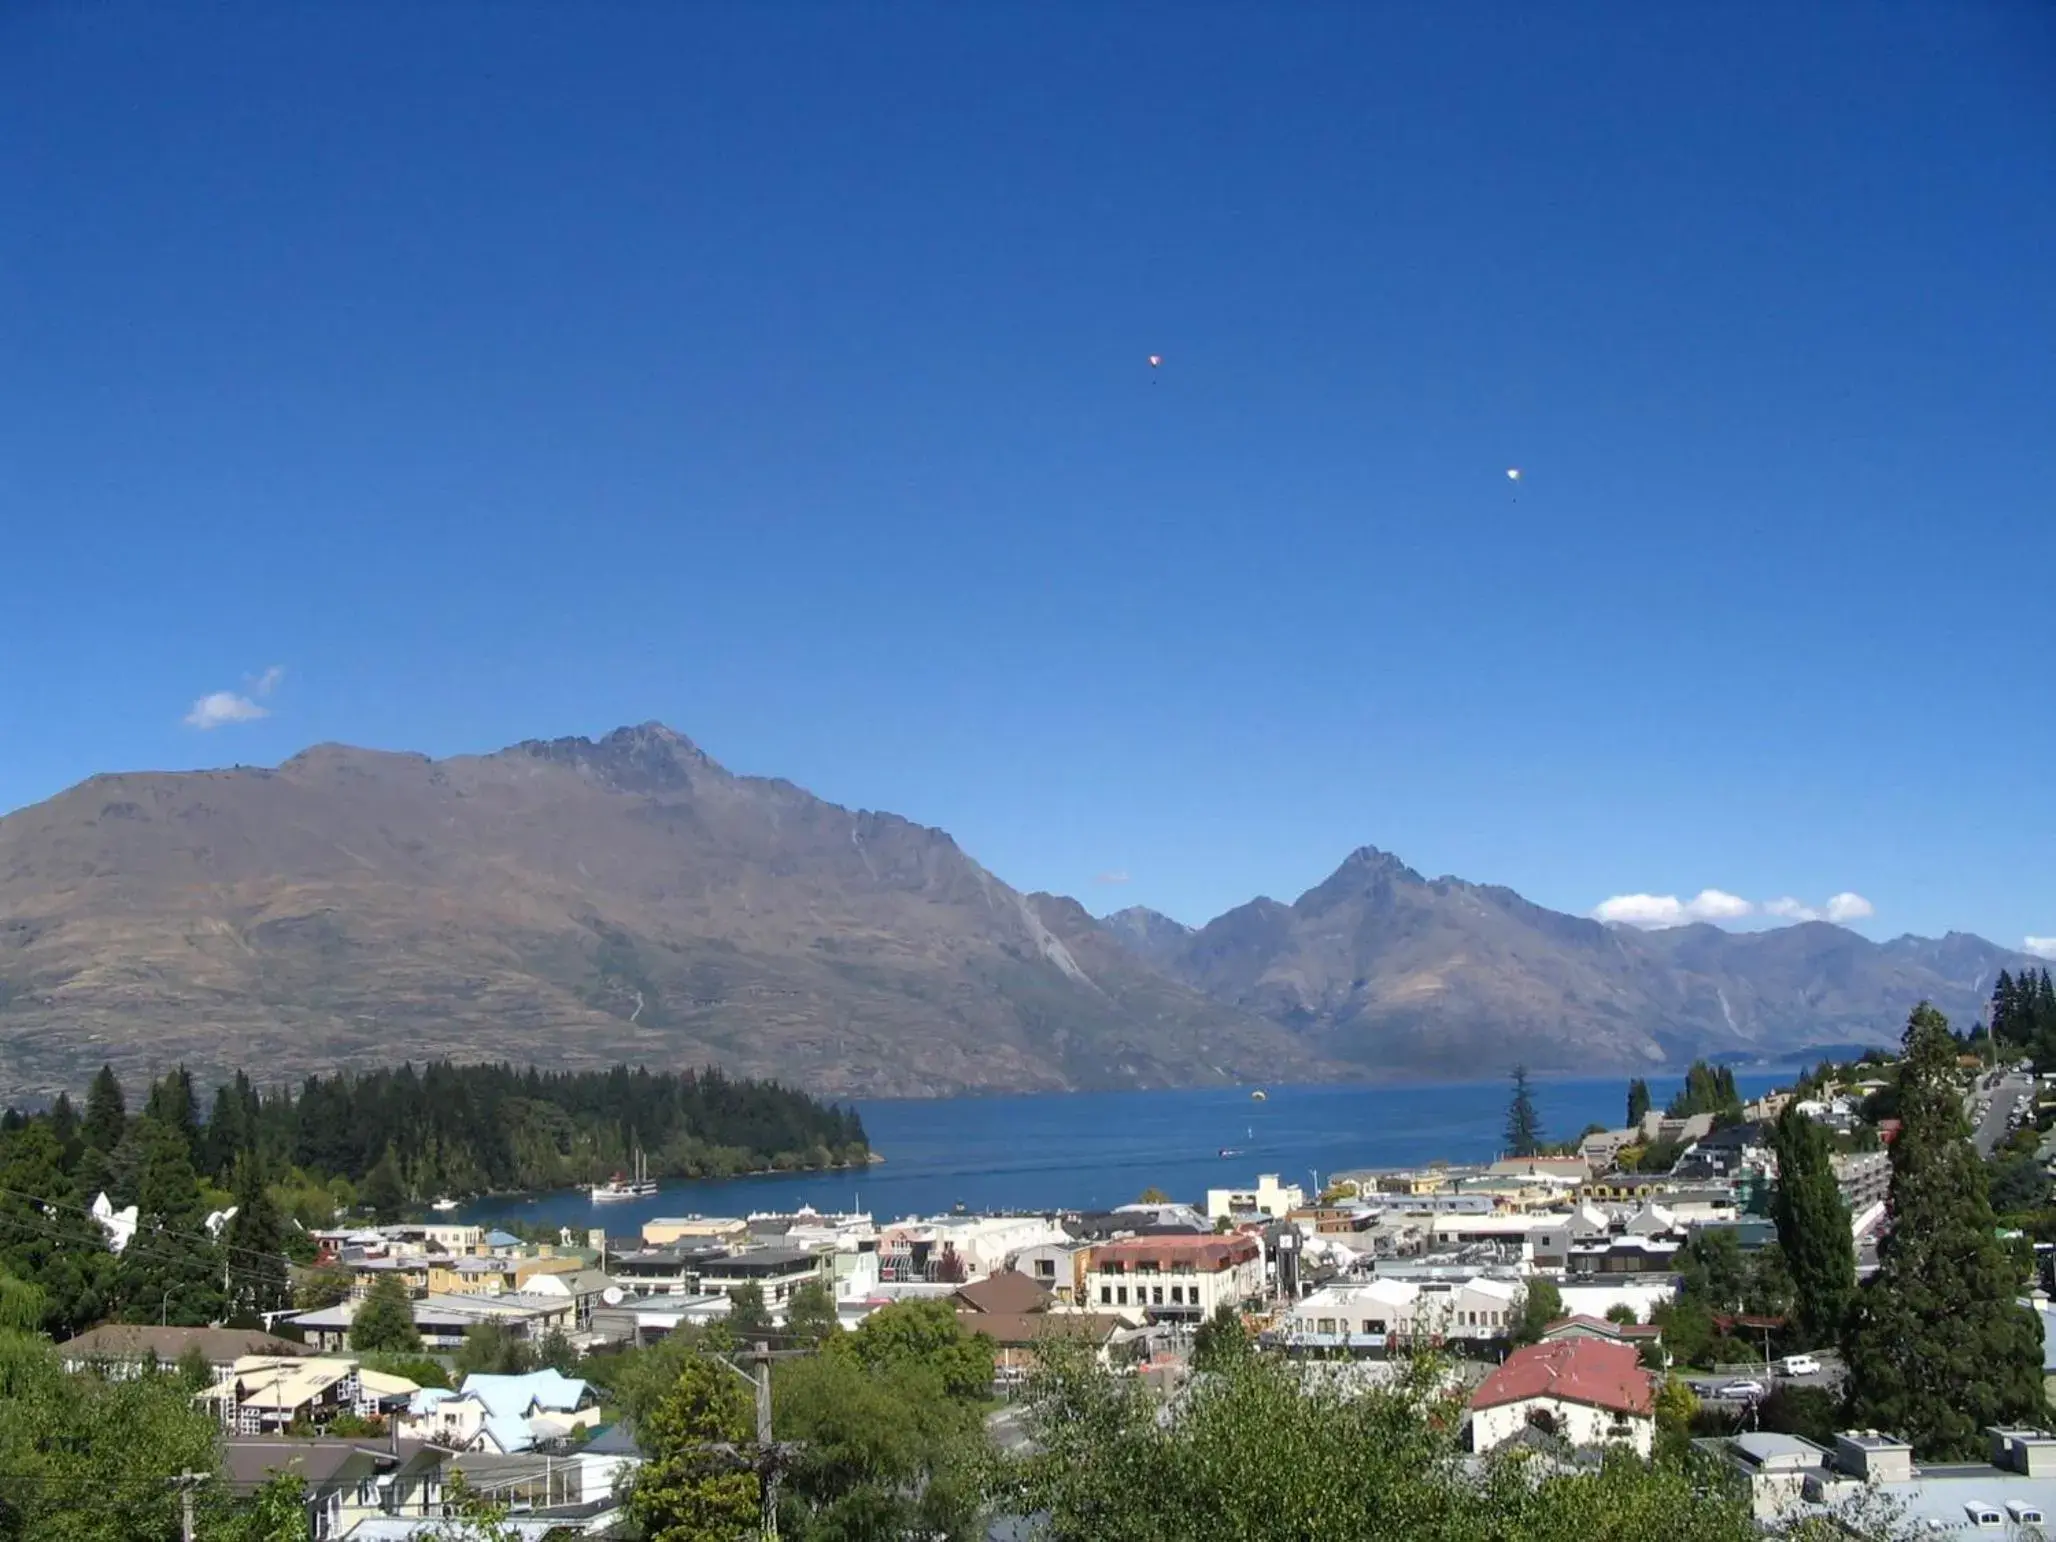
(498, 371)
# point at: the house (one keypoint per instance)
(1605, 1329)
(1011, 1293)
(502, 1414)
(586, 1289)
(347, 1482)
(1269, 1197)
(674, 1268)
(1583, 1390)
(119, 1350)
(1181, 1278)
(262, 1393)
(1017, 1336)
(1370, 1314)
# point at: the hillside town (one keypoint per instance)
(1661, 1291)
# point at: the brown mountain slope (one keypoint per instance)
(1385, 970)
(568, 902)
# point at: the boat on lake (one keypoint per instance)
(624, 1186)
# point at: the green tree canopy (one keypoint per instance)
(1523, 1125)
(384, 1321)
(926, 1336)
(1221, 1339)
(748, 1318)
(255, 1244)
(1638, 1101)
(106, 1112)
(810, 1314)
(1541, 1305)
(1937, 1346)
(489, 1349)
(697, 1485)
(1813, 1227)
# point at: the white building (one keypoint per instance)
(1370, 1313)
(1174, 1278)
(1269, 1197)
(1586, 1391)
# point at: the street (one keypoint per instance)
(1991, 1109)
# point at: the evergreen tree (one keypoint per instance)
(1221, 1340)
(171, 1271)
(384, 1321)
(46, 1237)
(106, 1112)
(385, 1190)
(748, 1318)
(1937, 1346)
(255, 1241)
(810, 1314)
(689, 1490)
(1813, 1227)
(171, 1104)
(64, 1128)
(1638, 1102)
(1523, 1127)
(1541, 1305)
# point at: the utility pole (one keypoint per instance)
(768, 1484)
(186, 1482)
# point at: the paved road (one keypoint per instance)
(1995, 1124)
(1828, 1376)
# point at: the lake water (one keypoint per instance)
(1094, 1150)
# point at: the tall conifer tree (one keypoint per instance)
(1813, 1227)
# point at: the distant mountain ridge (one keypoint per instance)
(1385, 970)
(576, 902)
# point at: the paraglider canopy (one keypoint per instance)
(1155, 359)
(1513, 473)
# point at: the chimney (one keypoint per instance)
(1874, 1457)
(2029, 1452)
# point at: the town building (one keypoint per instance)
(1269, 1197)
(502, 1414)
(348, 1484)
(121, 1350)
(2012, 1493)
(1587, 1392)
(1174, 1278)
(1058, 1267)
(777, 1272)
(1372, 1314)
(699, 1230)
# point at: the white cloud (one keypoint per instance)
(1655, 911)
(1116, 875)
(2041, 947)
(1659, 910)
(217, 709)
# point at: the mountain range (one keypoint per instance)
(578, 902)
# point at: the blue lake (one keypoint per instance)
(1099, 1149)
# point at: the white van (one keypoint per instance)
(1799, 1365)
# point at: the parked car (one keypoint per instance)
(1742, 1391)
(1799, 1365)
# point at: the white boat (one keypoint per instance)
(443, 1206)
(621, 1186)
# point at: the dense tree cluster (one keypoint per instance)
(1937, 1346)
(2024, 1016)
(1813, 1227)
(1708, 1089)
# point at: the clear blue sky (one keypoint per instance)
(499, 371)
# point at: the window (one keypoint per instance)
(1372, 1325)
(1325, 1325)
(1177, 1295)
(1121, 1295)
(1046, 1267)
(1106, 1295)
(1156, 1295)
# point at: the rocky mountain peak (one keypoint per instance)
(645, 758)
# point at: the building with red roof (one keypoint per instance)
(1589, 1391)
(1174, 1278)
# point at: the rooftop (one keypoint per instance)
(1594, 1372)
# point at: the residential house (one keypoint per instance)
(119, 1350)
(1009, 1293)
(585, 1288)
(1371, 1314)
(1585, 1391)
(1625, 1254)
(347, 1482)
(1175, 1278)
(1269, 1197)
(1605, 1329)
(267, 1393)
(481, 1275)
(436, 1236)
(366, 1270)
(1018, 1336)
(502, 1414)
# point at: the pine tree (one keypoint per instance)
(46, 1236)
(1937, 1346)
(170, 1272)
(1638, 1102)
(255, 1240)
(1813, 1227)
(690, 1490)
(106, 1112)
(1523, 1127)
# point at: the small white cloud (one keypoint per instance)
(1116, 875)
(1653, 911)
(2041, 947)
(222, 707)
(217, 709)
